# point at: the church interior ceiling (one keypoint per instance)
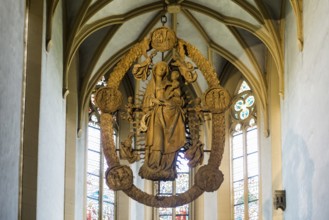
(235, 35)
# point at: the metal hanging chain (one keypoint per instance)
(163, 21)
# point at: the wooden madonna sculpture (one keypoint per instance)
(169, 122)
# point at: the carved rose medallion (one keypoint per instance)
(119, 178)
(209, 178)
(217, 99)
(163, 39)
(108, 99)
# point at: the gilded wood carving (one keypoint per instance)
(167, 120)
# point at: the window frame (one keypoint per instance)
(101, 176)
(156, 214)
(245, 127)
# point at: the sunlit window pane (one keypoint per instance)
(237, 145)
(182, 210)
(165, 217)
(238, 188)
(253, 210)
(245, 156)
(239, 212)
(182, 164)
(93, 165)
(165, 211)
(108, 211)
(252, 142)
(92, 186)
(95, 173)
(94, 139)
(92, 209)
(253, 192)
(182, 183)
(168, 188)
(108, 195)
(252, 160)
(181, 217)
(238, 169)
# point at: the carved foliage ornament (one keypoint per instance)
(163, 119)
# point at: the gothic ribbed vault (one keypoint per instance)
(233, 34)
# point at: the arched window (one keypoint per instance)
(168, 188)
(100, 199)
(244, 155)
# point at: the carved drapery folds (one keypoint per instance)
(168, 121)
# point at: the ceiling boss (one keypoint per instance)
(168, 121)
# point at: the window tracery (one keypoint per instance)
(245, 156)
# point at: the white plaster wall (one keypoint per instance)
(11, 72)
(71, 155)
(304, 120)
(270, 145)
(51, 154)
(80, 176)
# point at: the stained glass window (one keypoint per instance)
(168, 188)
(100, 199)
(245, 158)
